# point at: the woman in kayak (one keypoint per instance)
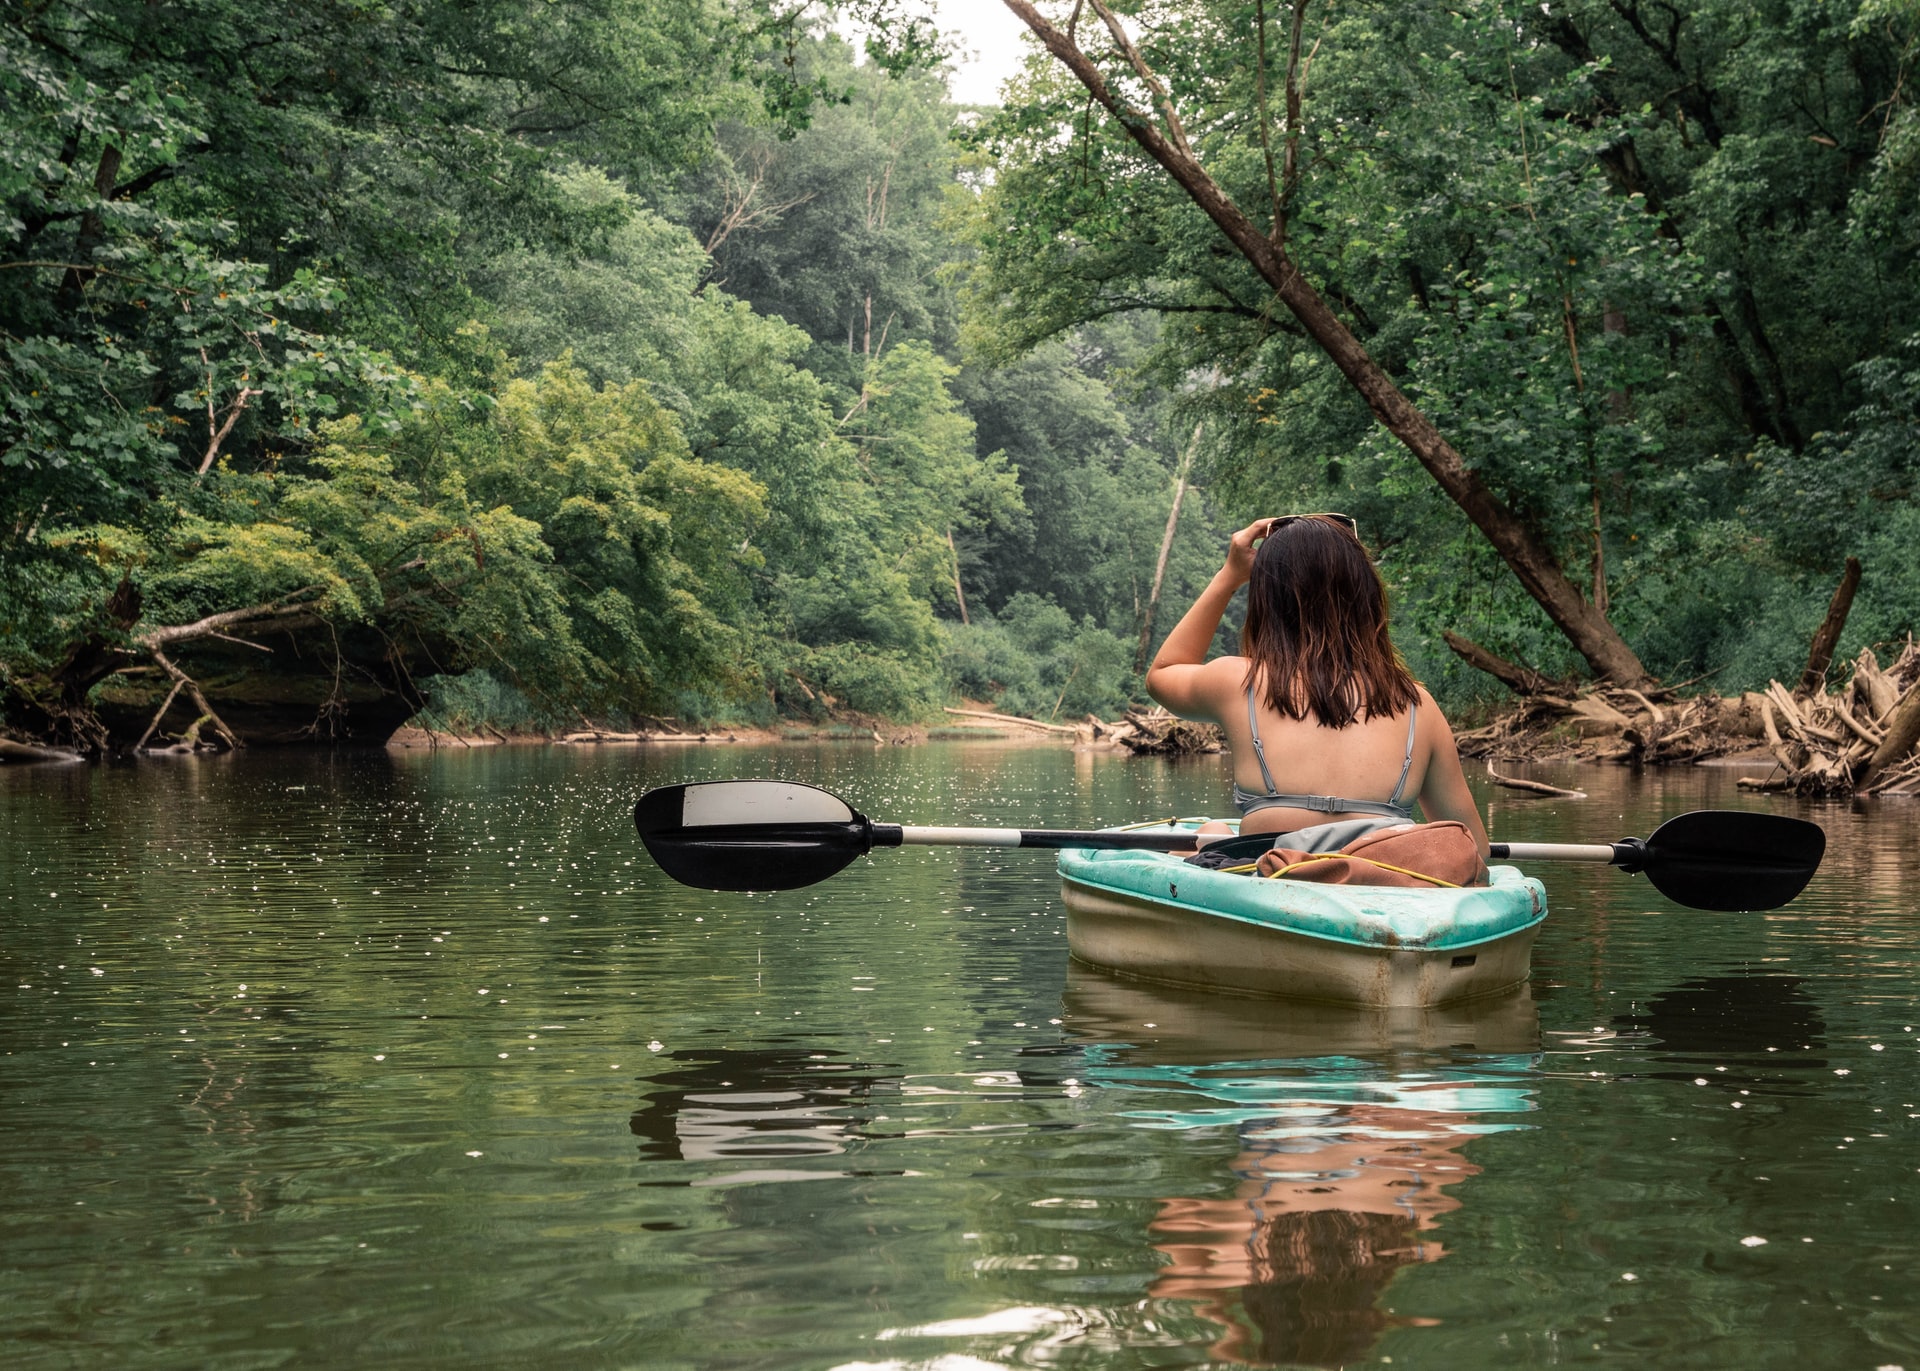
(1319, 701)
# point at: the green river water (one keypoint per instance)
(414, 1060)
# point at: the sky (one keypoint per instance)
(988, 37)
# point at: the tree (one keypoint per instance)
(1140, 103)
(837, 229)
(219, 224)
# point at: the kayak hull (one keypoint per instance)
(1153, 917)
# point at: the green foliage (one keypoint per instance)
(1036, 662)
(614, 361)
(1610, 258)
(838, 229)
(1096, 478)
(476, 700)
(886, 683)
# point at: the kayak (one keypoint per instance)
(1152, 916)
(1168, 1025)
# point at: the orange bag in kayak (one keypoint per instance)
(1430, 856)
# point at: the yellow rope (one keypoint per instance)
(1348, 856)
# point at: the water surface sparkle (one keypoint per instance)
(416, 1060)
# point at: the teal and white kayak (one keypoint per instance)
(1148, 915)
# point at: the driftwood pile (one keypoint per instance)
(1610, 724)
(1156, 733)
(1858, 740)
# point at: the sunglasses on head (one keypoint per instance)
(1346, 521)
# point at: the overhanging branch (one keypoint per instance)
(1529, 558)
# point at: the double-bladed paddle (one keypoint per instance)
(781, 835)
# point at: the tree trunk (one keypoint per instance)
(1166, 546)
(1814, 679)
(1522, 680)
(1519, 546)
(93, 228)
(958, 593)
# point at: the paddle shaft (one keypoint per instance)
(1147, 840)
(1561, 852)
(908, 835)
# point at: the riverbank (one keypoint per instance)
(1810, 740)
(1860, 739)
(1148, 731)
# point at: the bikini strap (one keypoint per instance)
(1260, 752)
(1413, 718)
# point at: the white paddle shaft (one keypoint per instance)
(1553, 852)
(959, 837)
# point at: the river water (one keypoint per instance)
(415, 1060)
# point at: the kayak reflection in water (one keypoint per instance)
(1349, 1128)
(1319, 699)
(1293, 1267)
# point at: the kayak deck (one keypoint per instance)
(1154, 917)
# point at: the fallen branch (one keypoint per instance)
(1874, 695)
(1775, 743)
(207, 711)
(1532, 787)
(1651, 707)
(11, 751)
(1012, 719)
(1598, 711)
(1870, 736)
(1903, 731)
(1522, 680)
(158, 715)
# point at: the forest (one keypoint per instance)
(525, 364)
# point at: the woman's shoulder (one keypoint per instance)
(1225, 677)
(1200, 690)
(1432, 726)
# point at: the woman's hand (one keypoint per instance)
(1240, 551)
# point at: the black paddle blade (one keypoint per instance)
(1730, 859)
(750, 835)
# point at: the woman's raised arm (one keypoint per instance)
(1176, 679)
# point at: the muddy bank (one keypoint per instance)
(413, 736)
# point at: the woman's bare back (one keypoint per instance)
(1362, 761)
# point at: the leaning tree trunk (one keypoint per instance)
(1820, 655)
(1518, 545)
(1166, 546)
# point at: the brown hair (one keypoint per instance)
(1317, 628)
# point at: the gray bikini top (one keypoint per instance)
(1394, 807)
